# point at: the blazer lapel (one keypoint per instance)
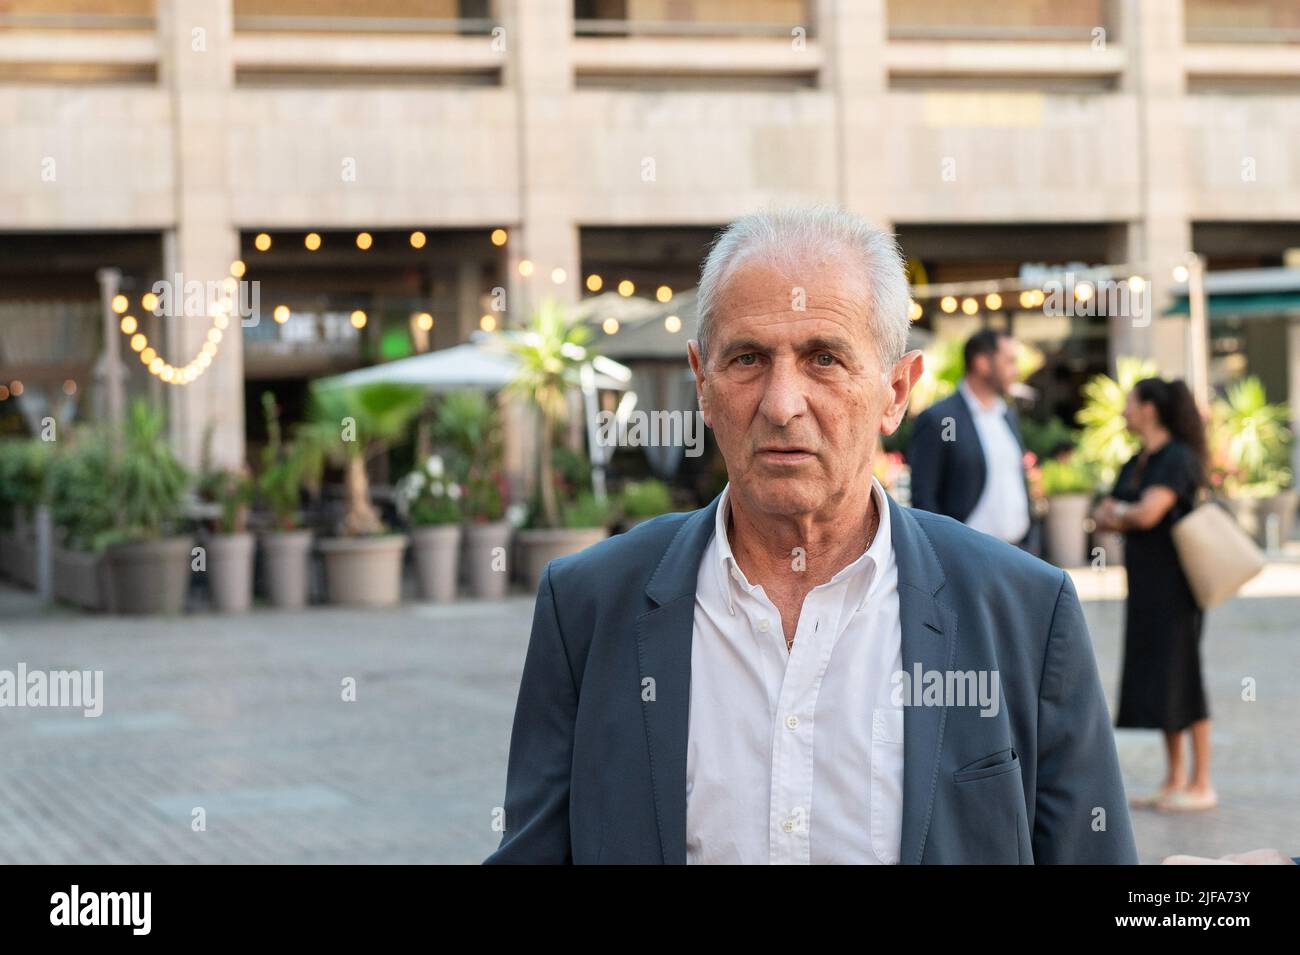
(663, 637)
(929, 630)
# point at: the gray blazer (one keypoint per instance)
(597, 767)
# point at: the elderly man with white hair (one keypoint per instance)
(803, 671)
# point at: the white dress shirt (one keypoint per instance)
(1003, 506)
(795, 757)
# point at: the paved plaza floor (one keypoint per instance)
(244, 718)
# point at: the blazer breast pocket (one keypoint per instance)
(1003, 761)
(886, 783)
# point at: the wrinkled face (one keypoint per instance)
(793, 389)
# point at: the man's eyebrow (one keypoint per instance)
(826, 343)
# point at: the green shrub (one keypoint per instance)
(642, 499)
(80, 491)
(1070, 476)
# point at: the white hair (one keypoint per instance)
(792, 237)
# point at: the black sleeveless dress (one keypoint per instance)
(1161, 686)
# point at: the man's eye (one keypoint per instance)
(830, 359)
(747, 359)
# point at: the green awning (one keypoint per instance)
(1236, 306)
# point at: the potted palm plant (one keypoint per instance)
(353, 424)
(149, 554)
(551, 351)
(469, 427)
(1251, 442)
(229, 544)
(81, 508)
(430, 501)
(288, 467)
(1068, 485)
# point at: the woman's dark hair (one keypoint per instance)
(1177, 412)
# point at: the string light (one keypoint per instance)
(610, 326)
(262, 242)
(237, 268)
(155, 363)
(120, 304)
(948, 304)
(626, 288)
(149, 302)
(558, 276)
(312, 241)
(970, 306)
(358, 319)
(672, 324)
(595, 283)
(281, 314)
(424, 321)
(526, 268)
(663, 293)
(487, 323)
(914, 310)
(993, 301)
(499, 237)
(364, 240)
(417, 240)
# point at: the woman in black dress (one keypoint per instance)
(1161, 686)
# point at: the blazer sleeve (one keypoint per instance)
(925, 458)
(1081, 813)
(541, 746)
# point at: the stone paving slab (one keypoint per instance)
(244, 718)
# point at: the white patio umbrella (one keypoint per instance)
(480, 364)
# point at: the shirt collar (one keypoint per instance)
(865, 570)
(978, 407)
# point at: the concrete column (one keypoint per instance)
(853, 34)
(540, 70)
(1152, 33)
(196, 67)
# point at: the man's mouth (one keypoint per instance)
(785, 455)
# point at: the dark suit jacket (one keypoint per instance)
(597, 771)
(948, 475)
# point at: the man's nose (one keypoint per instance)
(784, 397)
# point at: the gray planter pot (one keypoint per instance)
(149, 576)
(539, 547)
(1276, 519)
(364, 571)
(81, 578)
(1246, 512)
(486, 563)
(1067, 537)
(286, 558)
(230, 571)
(437, 559)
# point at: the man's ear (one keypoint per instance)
(905, 373)
(693, 355)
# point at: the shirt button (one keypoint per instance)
(792, 721)
(788, 825)
(764, 626)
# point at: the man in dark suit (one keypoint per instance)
(965, 452)
(803, 671)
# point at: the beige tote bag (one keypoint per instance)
(1217, 556)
